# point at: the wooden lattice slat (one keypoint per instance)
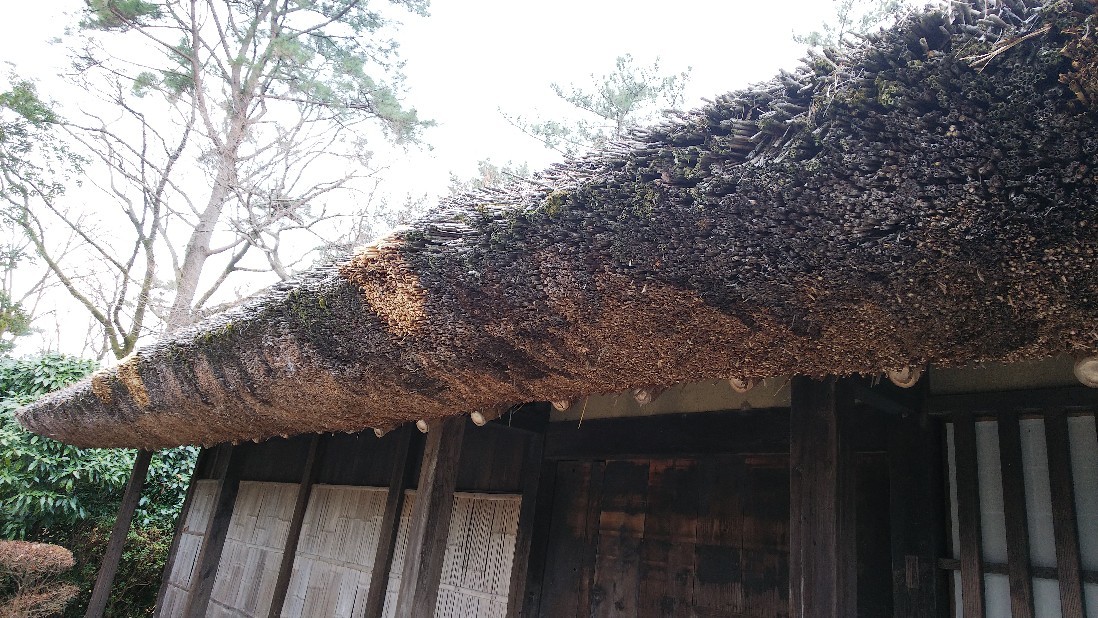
(480, 547)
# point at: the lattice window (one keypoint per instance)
(989, 495)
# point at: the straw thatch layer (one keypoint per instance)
(926, 197)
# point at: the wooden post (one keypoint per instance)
(399, 479)
(822, 552)
(917, 507)
(102, 590)
(431, 519)
(203, 456)
(308, 477)
(531, 481)
(213, 541)
(1063, 514)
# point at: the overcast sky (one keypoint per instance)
(471, 58)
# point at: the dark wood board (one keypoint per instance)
(1014, 511)
(1063, 514)
(968, 514)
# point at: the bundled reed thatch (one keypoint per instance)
(928, 195)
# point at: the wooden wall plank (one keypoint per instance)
(228, 467)
(968, 515)
(621, 527)
(1063, 514)
(531, 480)
(718, 554)
(539, 547)
(1014, 510)
(671, 435)
(201, 462)
(766, 537)
(308, 477)
(917, 515)
(105, 579)
(822, 567)
(1037, 400)
(670, 539)
(431, 519)
(873, 536)
(576, 487)
(399, 478)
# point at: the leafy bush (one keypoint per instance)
(69, 496)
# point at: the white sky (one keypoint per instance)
(471, 58)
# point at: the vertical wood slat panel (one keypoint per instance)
(252, 555)
(308, 477)
(173, 549)
(1017, 530)
(400, 550)
(227, 473)
(968, 515)
(334, 565)
(1063, 514)
(399, 479)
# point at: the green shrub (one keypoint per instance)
(69, 496)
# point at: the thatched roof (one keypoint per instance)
(928, 196)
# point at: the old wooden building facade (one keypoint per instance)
(875, 501)
(565, 397)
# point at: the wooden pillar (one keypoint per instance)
(822, 551)
(102, 590)
(227, 472)
(916, 507)
(203, 456)
(399, 479)
(308, 477)
(431, 519)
